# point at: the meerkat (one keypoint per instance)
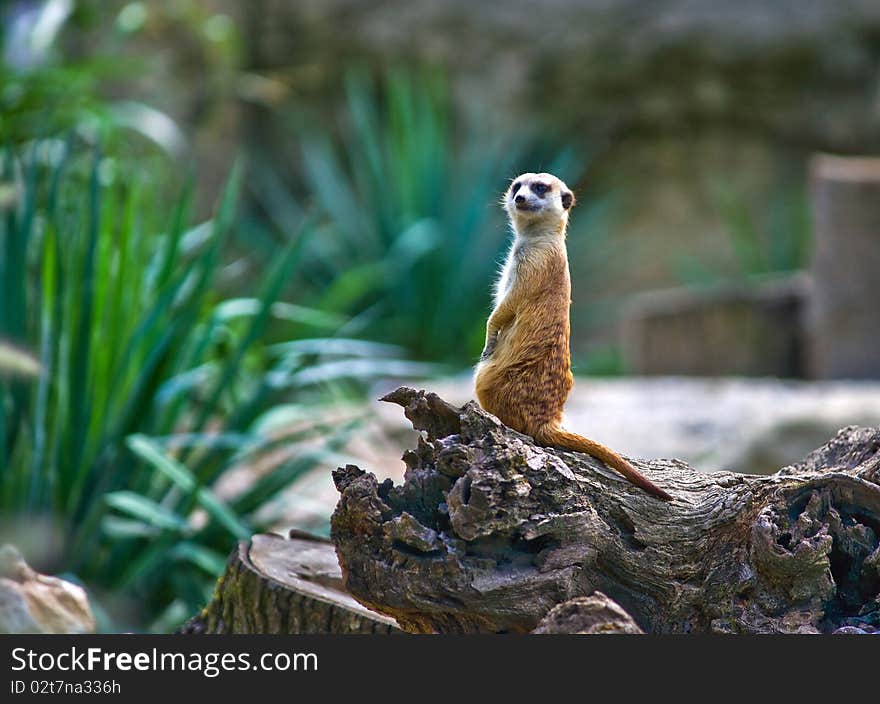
(524, 373)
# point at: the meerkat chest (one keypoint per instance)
(507, 277)
(534, 271)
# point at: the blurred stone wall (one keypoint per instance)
(668, 99)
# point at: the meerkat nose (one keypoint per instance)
(520, 199)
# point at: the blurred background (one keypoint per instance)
(227, 227)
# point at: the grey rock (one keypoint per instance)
(36, 603)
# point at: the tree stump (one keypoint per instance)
(489, 532)
(740, 329)
(844, 317)
(274, 584)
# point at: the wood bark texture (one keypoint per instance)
(274, 584)
(588, 615)
(489, 532)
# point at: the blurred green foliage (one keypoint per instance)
(64, 60)
(152, 381)
(134, 376)
(777, 240)
(410, 230)
(38, 92)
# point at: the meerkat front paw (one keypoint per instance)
(491, 344)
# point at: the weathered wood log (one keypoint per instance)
(489, 532)
(274, 584)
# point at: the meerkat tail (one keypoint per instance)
(557, 437)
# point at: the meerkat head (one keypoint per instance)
(537, 200)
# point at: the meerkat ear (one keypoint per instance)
(567, 200)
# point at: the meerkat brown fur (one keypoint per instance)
(524, 374)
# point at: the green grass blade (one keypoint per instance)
(276, 280)
(80, 408)
(181, 477)
(146, 510)
(210, 561)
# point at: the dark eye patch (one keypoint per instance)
(540, 189)
(515, 187)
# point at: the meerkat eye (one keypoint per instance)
(515, 187)
(540, 188)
